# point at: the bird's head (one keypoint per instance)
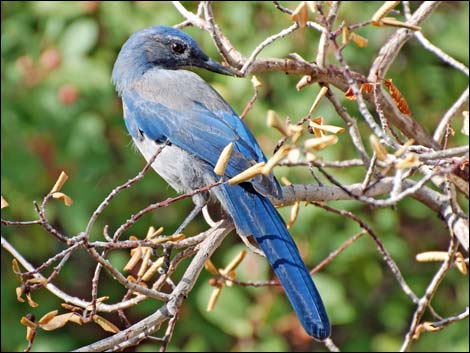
(162, 47)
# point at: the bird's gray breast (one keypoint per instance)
(183, 171)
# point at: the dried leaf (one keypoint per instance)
(30, 334)
(378, 148)
(4, 203)
(276, 158)
(383, 11)
(304, 82)
(309, 156)
(223, 160)
(273, 121)
(27, 322)
(300, 14)
(153, 269)
(147, 253)
(392, 22)
(293, 155)
(213, 298)
(432, 256)
(255, 82)
(311, 6)
(285, 181)
(209, 266)
(35, 280)
(424, 327)
(19, 293)
(70, 307)
(294, 212)
(173, 237)
(248, 174)
(319, 143)
(410, 161)
(295, 131)
(360, 41)
(464, 126)
(60, 182)
(15, 267)
(460, 263)
(345, 33)
(48, 317)
(105, 324)
(234, 263)
(349, 94)
(397, 97)
(61, 196)
(365, 87)
(404, 148)
(135, 258)
(318, 98)
(152, 233)
(60, 321)
(318, 121)
(328, 128)
(31, 302)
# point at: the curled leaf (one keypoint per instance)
(360, 41)
(304, 82)
(432, 256)
(60, 321)
(300, 14)
(378, 148)
(318, 98)
(60, 182)
(223, 160)
(248, 174)
(294, 212)
(386, 7)
(255, 82)
(234, 263)
(397, 97)
(273, 121)
(214, 297)
(4, 203)
(276, 158)
(135, 258)
(209, 266)
(319, 143)
(105, 324)
(153, 268)
(48, 317)
(410, 161)
(61, 196)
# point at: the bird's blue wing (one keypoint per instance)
(199, 131)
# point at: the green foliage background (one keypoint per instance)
(69, 118)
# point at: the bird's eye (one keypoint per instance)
(178, 47)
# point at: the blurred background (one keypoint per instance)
(60, 112)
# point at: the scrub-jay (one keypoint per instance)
(164, 103)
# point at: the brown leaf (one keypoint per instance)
(48, 317)
(105, 324)
(60, 321)
(349, 94)
(397, 97)
(4, 203)
(61, 196)
(300, 14)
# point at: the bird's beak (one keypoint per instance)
(214, 66)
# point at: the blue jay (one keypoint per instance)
(164, 103)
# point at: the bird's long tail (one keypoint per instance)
(254, 214)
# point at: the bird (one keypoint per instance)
(165, 103)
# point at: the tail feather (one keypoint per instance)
(253, 214)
